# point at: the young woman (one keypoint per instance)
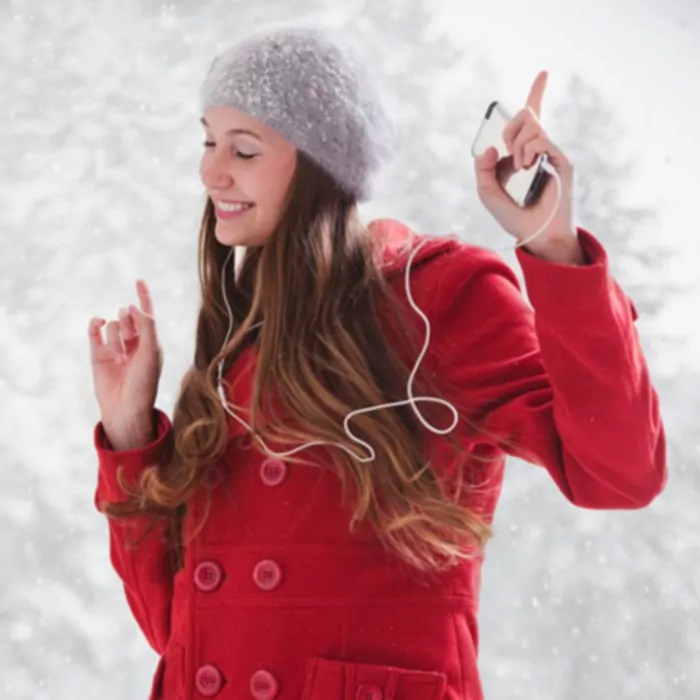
(312, 524)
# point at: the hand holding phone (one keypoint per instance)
(523, 186)
(522, 201)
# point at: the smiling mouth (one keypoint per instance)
(230, 210)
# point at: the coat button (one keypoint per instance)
(267, 575)
(369, 691)
(273, 472)
(208, 576)
(208, 680)
(263, 686)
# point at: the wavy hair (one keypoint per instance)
(322, 352)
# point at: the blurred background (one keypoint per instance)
(99, 148)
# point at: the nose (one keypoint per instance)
(214, 174)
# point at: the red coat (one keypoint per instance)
(278, 600)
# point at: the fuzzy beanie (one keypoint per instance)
(314, 89)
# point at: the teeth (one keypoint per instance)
(229, 206)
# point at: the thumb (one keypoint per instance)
(485, 167)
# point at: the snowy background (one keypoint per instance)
(99, 145)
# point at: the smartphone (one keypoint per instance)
(524, 186)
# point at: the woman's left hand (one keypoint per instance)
(526, 138)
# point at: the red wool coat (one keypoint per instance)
(278, 600)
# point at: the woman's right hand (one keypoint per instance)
(126, 370)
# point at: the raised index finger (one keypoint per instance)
(145, 300)
(534, 99)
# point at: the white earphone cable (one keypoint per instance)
(549, 168)
(411, 400)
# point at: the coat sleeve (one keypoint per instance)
(565, 385)
(145, 570)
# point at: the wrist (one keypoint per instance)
(131, 434)
(562, 249)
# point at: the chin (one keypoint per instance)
(233, 236)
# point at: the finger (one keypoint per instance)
(534, 148)
(515, 126)
(556, 157)
(488, 185)
(534, 99)
(114, 339)
(95, 339)
(531, 130)
(127, 327)
(145, 325)
(144, 295)
(485, 166)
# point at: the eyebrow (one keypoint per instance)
(230, 132)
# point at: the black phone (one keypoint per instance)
(525, 186)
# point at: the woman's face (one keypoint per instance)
(247, 168)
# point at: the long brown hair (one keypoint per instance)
(318, 286)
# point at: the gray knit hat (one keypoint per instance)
(313, 89)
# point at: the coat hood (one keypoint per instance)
(394, 242)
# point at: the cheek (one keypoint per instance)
(271, 183)
(253, 181)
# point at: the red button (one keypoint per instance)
(208, 576)
(267, 575)
(273, 472)
(208, 680)
(369, 691)
(263, 686)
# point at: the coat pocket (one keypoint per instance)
(339, 680)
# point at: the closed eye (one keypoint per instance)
(239, 154)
